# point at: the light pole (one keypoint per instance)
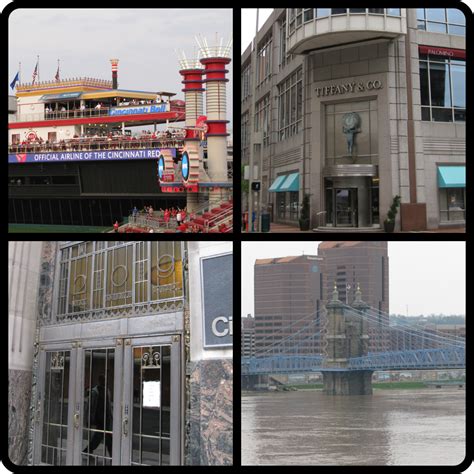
(252, 131)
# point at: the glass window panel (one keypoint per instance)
(420, 13)
(440, 85)
(55, 405)
(442, 115)
(136, 441)
(98, 399)
(436, 27)
(457, 30)
(338, 11)
(424, 86)
(421, 25)
(436, 14)
(150, 451)
(458, 74)
(308, 14)
(323, 12)
(456, 16)
(393, 11)
(459, 115)
(165, 452)
(361, 10)
(425, 114)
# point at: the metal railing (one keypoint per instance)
(74, 114)
(96, 143)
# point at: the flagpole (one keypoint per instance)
(38, 63)
(19, 72)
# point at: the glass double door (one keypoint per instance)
(109, 402)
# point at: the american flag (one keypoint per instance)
(35, 73)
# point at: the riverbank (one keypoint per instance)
(405, 385)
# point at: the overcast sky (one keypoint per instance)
(143, 39)
(249, 18)
(429, 277)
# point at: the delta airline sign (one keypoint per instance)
(99, 155)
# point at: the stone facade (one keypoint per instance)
(210, 413)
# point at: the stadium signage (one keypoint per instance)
(93, 155)
(144, 109)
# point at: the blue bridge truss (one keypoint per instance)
(422, 359)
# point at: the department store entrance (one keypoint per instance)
(109, 401)
(346, 207)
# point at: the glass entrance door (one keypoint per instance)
(345, 202)
(152, 402)
(109, 402)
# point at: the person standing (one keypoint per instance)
(99, 415)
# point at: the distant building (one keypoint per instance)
(352, 263)
(288, 304)
(248, 336)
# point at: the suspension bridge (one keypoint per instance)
(335, 342)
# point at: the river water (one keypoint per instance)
(391, 427)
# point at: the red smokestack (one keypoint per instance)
(114, 73)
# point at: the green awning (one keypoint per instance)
(291, 183)
(277, 183)
(452, 176)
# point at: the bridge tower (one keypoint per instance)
(347, 336)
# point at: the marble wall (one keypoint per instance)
(210, 433)
(19, 392)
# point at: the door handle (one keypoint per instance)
(77, 418)
(125, 426)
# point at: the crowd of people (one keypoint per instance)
(103, 141)
(58, 111)
(170, 218)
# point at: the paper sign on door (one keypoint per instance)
(151, 394)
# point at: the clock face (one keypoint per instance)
(351, 120)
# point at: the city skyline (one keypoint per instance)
(423, 288)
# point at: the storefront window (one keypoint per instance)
(452, 204)
(294, 205)
(442, 88)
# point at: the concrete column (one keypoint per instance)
(353, 382)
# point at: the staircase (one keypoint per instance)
(218, 219)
